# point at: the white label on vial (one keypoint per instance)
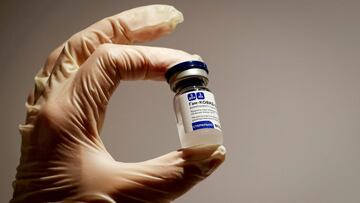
(198, 111)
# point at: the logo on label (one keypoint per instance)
(200, 95)
(191, 96)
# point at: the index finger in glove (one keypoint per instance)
(140, 24)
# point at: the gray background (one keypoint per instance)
(286, 75)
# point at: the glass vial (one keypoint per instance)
(194, 104)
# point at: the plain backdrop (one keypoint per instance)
(286, 75)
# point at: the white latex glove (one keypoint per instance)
(62, 156)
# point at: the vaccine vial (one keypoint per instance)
(194, 104)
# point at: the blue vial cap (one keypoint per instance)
(185, 66)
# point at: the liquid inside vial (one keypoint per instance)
(194, 104)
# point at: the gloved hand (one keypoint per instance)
(62, 156)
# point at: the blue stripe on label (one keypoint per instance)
(202, 124)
